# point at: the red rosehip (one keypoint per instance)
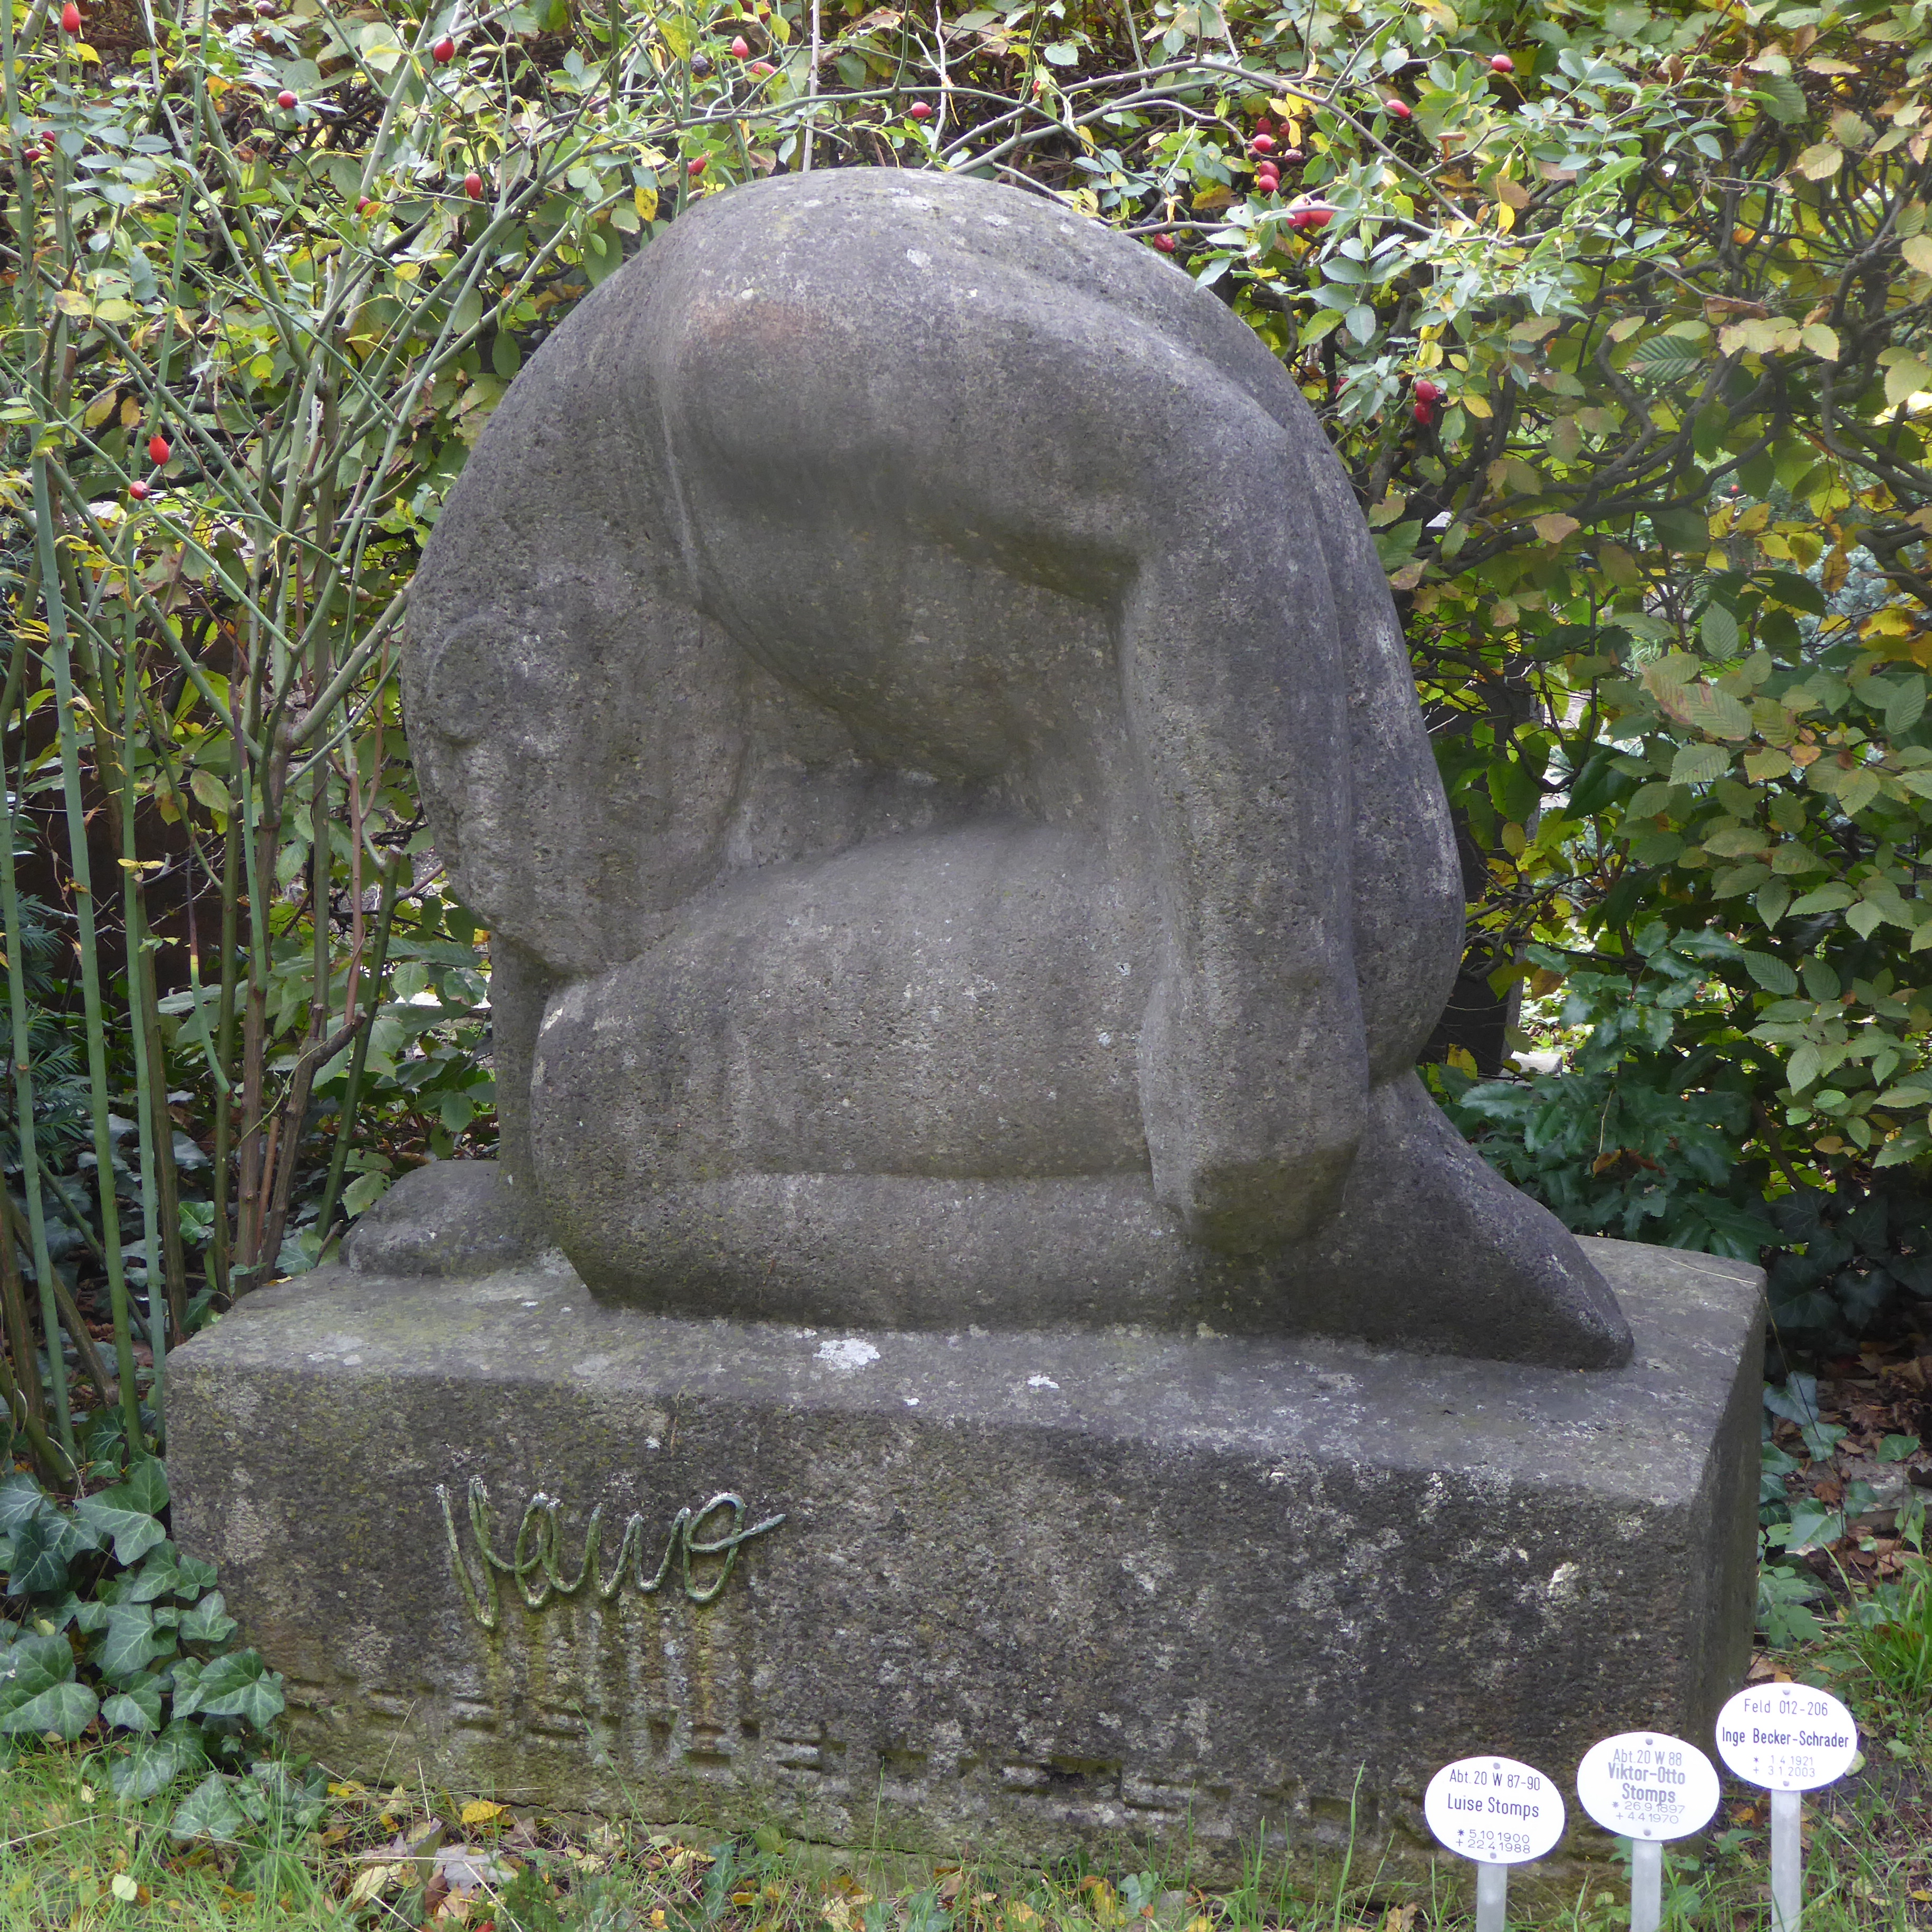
(919, 111)
(139, 491)
(363, 204)
(70, 18)
(761, 68)
(741, 48)
(472, 185)
(1164, 243)
(1263, 144)
(1423, 413)
(444, 50)
(1264, 126)
(1317, 214)
(1292, 156)
(1268, 184)
(1426, 391)
(1501, 63)
(1399, 108)
(694, 168)
(285, 99)
(158, 452)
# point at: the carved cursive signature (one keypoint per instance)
(533, 1566)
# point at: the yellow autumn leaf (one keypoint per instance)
(1891, 622)
(1478, 407)
(97, 410)
(1918, 253)
(1555, 527)
(1820, 341)
(482, 1811)
(1503, 215)
(645, 201)
(1825, 157)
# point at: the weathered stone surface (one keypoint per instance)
(908, 685)
(1032, 1591)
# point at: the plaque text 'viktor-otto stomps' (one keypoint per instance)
(701, 1548)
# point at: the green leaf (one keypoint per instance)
(208, 1622)
(1770, 972)
(37, 1692)
(1667, 360)
(1804, 1067)
(1783, 99)
(136, 1707)
(1898, 1448)
(1905, 707)
(38, 1565)
(1772, 899)
(154, 1763)
(133, 1642)
(208, 1811)
(1718, 630)
(1699, 764)
(22, 1499)
(127, 1511)
(1857, 790)
(1831, 898)
(239, 1685)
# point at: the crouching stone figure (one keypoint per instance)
(910, 691)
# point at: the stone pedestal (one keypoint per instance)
(1030, 1592)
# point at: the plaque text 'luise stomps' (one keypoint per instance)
(534, 1568)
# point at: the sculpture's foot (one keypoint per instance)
(454, 1217)
(1432, 1249)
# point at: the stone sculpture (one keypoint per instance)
(909, 688)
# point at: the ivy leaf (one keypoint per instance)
(240, 1685)
(208, 1811)
(37, 1692)
(136, 1706)
(132, 1642)
(154, 1763)
(22, 1499)
(207, 1622)
(37, 1564)
(194, 1577)
(127, 1511)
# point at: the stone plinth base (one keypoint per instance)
(1031, 1593)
